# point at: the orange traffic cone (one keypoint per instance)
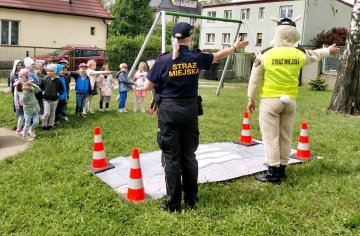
(136, 191)
(303, 148)
(99, 163)
(245, 136)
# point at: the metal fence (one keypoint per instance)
(331, 64)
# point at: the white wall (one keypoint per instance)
(265, 26)
(324, 15)
(56, 30)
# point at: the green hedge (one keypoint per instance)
(125, 49)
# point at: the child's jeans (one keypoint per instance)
(80, 102)
(28, 117)
(123, 96)
(49, 113)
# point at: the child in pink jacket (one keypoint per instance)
(105, 84)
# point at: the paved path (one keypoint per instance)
(10, 143)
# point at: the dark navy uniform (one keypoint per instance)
(176, 83)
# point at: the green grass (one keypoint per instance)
(48, 190)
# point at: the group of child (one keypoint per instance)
(42, 91)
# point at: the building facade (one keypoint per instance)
(182, 6)
(53, 23)
(316, 15)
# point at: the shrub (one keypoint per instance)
(318, 84)
(335, 35)
(125, 49)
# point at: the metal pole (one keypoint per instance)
(131, 73)
(163, 32)
(226, 64)
(251, 39)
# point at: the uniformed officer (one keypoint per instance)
(175, 78)
(277, 71)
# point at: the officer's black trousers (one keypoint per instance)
(178, 138)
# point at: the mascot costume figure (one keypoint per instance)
(276, 71)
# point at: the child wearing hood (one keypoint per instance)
(18, 100)
(14, 76)
(63, 98)
(31, 109)
(34, 79)
(52, 88)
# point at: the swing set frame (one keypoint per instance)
(162, 15)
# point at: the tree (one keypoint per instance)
(132, 18)
(335, 35)
(346, 95)
(214, 2)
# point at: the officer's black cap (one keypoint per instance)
(286, 21)
(182, 30)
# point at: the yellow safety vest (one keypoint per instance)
(282, 67)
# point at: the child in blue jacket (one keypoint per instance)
(124, 86)
(82, 88)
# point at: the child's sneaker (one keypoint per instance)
(102, 110)
(120, 110)
(32, 133)
(19, 132)
(106, 109)
(66, 118)
(124, 110)
(28, 138)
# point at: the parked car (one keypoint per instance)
(77, 54)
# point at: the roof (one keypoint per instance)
(246, 2)
(91, 8)
(168, 5)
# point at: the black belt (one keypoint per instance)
(178, 100)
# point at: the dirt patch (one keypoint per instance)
(10, 143)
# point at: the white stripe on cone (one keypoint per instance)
(99, 155)
(303, 132)
(136, 184)
(303, 146)
(97, 138)
(135, 163)
(246, 121)
(245, 132)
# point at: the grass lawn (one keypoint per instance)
(48, 190)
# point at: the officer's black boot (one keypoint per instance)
(272, 175)
(282, 172)
(171, 208)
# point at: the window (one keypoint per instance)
(92, 53)
(286, 11)
(226, 38)
(261, 13)
(92, 30)
(175, 19)
(211, 14)
(244, 36)
(228, 14)
(210, 38)
(258, 39)
(192, 21)
(245, 14)
(9, 32)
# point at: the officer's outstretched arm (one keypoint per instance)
(148, 85)
(227, 51)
